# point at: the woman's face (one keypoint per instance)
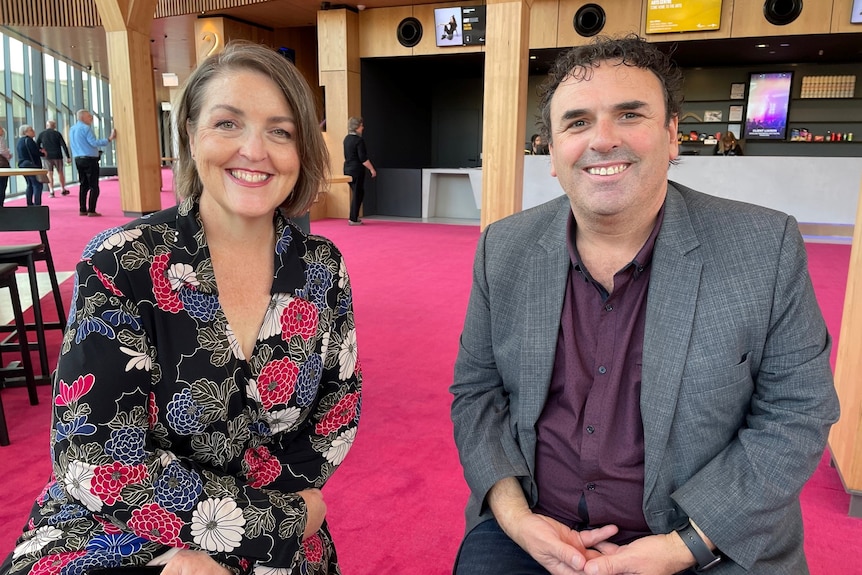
(244, 145)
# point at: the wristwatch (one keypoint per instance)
(705, 558)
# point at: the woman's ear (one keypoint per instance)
(190, 134)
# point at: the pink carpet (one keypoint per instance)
(396, 504)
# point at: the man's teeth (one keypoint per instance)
(249, 177)
(607, 170)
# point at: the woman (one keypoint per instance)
(728, 145)
(537, 148)
(29, 156)
(208, 382)
(5, 156)
(355, 162)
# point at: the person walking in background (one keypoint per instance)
(5, 162)
(355, 162)
(208, 385)
(537, 147)
(29, 156)
(643, 382)
(85, 150)
(728, 145)
(54, 146)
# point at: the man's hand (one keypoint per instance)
(557, 548)
(652, 555)
(188, 562)
(316, 511)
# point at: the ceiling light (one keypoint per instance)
(761, 45)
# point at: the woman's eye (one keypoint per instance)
(282, 133)
(225, 124)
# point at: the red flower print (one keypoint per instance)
(71, 393)
(106, 281)
(276, 382)
(166, 298)
(341, 414)
(152, 411)
(52, 564)
(299, 317)
(157, 524)
(313, 548)
(109, 480)
(263, 468)
(107, 526)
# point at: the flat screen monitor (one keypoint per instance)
(856, 15)
(459, 26)
(767, 106)
(667, 16)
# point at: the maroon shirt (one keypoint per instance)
(590, 442)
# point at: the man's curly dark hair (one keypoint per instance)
(631, 50)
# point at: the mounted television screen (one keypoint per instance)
(666, 16)
(448, 26)
(473, 24)
(768, 102)
(856, 15)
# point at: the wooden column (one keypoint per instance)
(505, 108)
(338, 59)
(845, 439)
(127, 25)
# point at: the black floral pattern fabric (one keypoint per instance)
(164, 436)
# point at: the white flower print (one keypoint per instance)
(118, 239)
(342, 275)
(338, 451)
(42, 537)
(78, 481)
(217, 525)
(182, 274)
(282, 419)
(233, 343)
(252, 391)
(140, 359)
(165, 457)
(272, 320)
(267, 570)
(324, 345)
(347, 355)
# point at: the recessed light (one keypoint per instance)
(761, 45)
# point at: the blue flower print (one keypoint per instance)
(178, 489)
(77, 426)
(201, 306)
(90, 325)
(118, 317)
(284, 241)
(184, 414)
(308, 380)
(91, 560)
(126, 445)
(67, 512)
(122, 544)
(97, 241)
(318, 284)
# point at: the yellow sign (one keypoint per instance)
(665, 16)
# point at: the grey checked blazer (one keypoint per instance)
(737, 395)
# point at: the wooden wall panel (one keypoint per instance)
(623, 17)
(60, 13)
(748, 20)
(723, 31)
(331, 40)
(543, 23)
(377, 35)
(841, 10)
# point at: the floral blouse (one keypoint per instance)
(164, 436)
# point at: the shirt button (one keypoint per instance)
(591, 486)
(590, 429)
(603, 370)
(609, 307)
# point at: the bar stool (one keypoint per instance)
(25, 366)
(33, 218)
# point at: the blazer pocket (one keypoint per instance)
(719, 380)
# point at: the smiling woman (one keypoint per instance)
(227, 386)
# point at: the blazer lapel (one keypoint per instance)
(673, 291)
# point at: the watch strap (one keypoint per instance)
(702, 554)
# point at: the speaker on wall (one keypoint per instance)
(782, 12)
(589, 20)
(409, 32)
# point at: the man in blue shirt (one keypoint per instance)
(85, 149)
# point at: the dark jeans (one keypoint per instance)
(34, 191)
(357, 193)
(88, 175)
(4, 183)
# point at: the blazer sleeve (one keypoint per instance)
(743, 496)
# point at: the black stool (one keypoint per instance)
(25, 366)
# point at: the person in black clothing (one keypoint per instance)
(449, 29)
(29, 156)
(728, 146)
(56, 150)
(355, 162)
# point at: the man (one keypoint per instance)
(355, 162)
(643, 381)
(85, 149)
(55, 150)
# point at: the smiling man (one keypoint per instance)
(643, 381)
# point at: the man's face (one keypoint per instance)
(87, 118)
(611, 144)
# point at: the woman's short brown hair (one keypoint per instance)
(243, 56)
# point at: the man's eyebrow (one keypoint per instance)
(622, 106)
